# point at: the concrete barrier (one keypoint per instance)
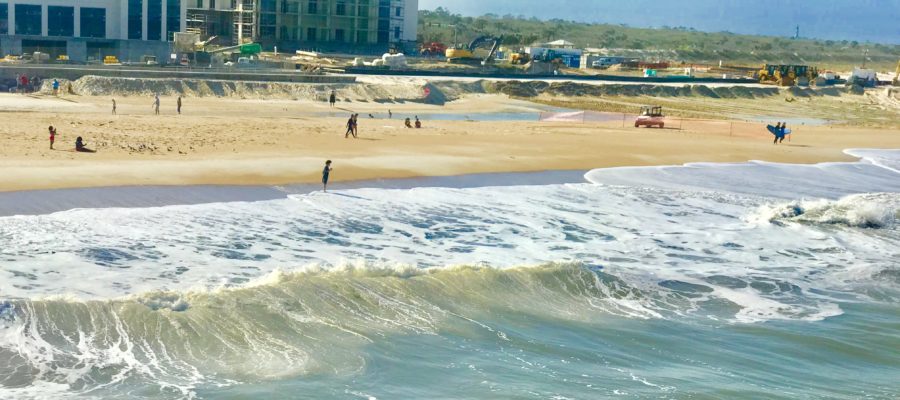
(73, 72)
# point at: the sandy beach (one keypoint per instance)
(249, 142)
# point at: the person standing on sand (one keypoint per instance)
(179, 105)
(114, 106)
(156, 104)
(390, 114)
(52, 136)
(355, 125)
(333, 98)
(55, 87)
(325, 173)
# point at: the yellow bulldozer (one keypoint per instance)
(787, 75)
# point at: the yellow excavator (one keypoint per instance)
(466, 54)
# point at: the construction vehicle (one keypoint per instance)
(466, 54)
(111, 60)
(520, 58)
(432, 49)
(787, 75)
(896, 80)
(650, 116)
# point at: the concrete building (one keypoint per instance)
(297, 24)
(91, 29)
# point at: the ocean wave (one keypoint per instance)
(870, 210)
(316, 320)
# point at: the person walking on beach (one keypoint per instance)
(52, 136)
(156, 104)
(783, 134)
(325, 173)
(178, 105)
(355, 125)
(55, 87)
(349, 128)
(777, 132)
(333, 98)
(390, 114)
(114, 106)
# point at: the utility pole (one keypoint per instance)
(797, 35)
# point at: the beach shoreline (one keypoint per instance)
(248, 142)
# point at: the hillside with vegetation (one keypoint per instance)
(665, 43)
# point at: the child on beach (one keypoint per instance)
(325, 173)
(52, 136)
(418, 123)
(79, 146)
(408, 123)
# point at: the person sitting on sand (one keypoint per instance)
(418, 123)
(52, 136)
(79, 146)
(408, 123)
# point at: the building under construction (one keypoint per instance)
(296, 24)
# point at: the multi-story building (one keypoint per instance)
(91, 29)
(293, 24)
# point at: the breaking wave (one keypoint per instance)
(870, 210)
(313, 321)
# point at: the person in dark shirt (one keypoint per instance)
(79, 146)
(325, 173)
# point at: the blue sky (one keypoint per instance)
(874, 20)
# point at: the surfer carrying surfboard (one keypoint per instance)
(780, 131)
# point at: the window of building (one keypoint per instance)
(173, 18)
(267, 19)
(362, 37)
(362, 10)
(268, 6)
(398, 12)
(154, 19)
(93, 22)
(212, 4)
(135, 17)
(341, 8)
(4, 18)
(60, 21)
(396, 32)
(312, 7)
(339, 35)
(311, 34)
(28, 19)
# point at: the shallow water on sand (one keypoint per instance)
(698, 281)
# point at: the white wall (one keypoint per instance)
(411, 20)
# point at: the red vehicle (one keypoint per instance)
(432, 49)
(650, 116)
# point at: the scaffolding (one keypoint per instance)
(246, 22)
